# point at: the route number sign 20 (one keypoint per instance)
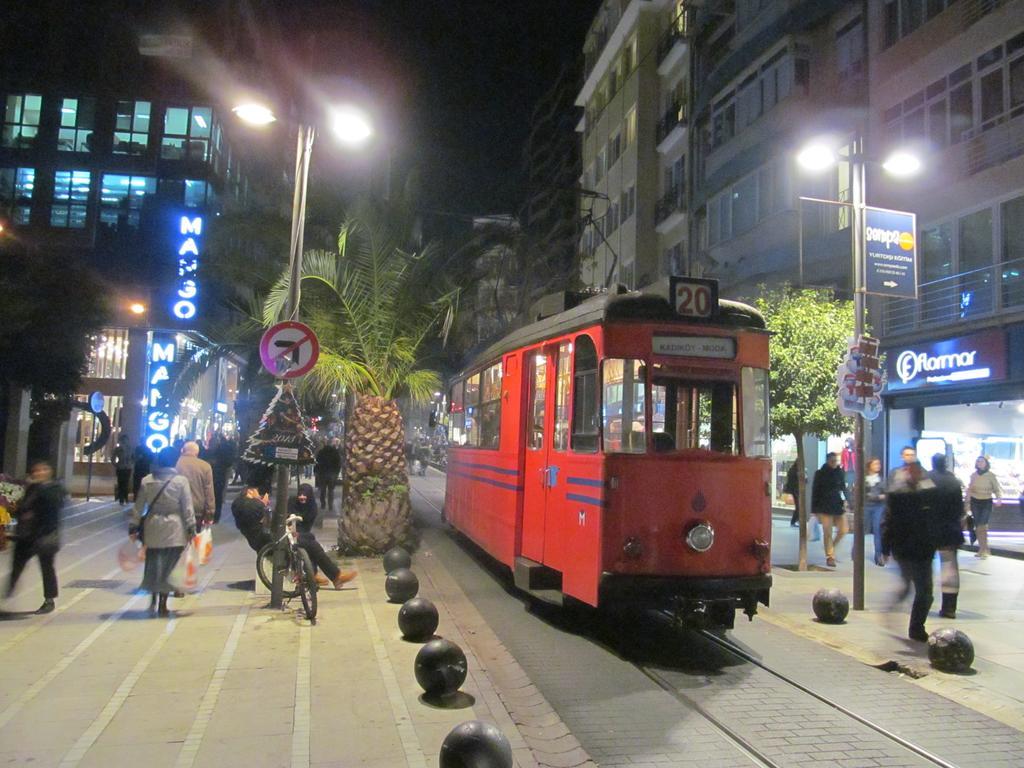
(694, 297)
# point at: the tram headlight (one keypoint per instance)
(701, 537)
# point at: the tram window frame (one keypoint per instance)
(563, 396)
(755, 403)
(457, 421)
(711, 423)
(636, 443)
(586, 409)
(535, 428)
(490, 407)
(471, 404)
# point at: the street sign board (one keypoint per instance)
(96, 401)
(694, 296)
(890, 253)
(289, 349)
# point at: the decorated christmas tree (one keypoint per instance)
(281, 436)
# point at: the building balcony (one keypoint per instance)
(974, 11)
(996, 141)
(670, 210)
(973, 295)
(671, 129)
(672, 45)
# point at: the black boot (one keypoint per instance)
(162, 609)
(948, 610)
(47, 606)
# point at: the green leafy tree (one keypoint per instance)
(374, 305)
(811, 330)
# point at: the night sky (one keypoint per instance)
(455, 80)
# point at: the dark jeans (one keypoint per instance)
(320, 558)
(220, 482)
(257, 536)
(124, 477)
(919, 574)
(23, 551)
(796, 510)
(326, 485)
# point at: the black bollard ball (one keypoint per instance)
(830, 606)
(396, 558)
(401, 585)
(440, 667)
(475, 744)
(418, 619)
(950, 650)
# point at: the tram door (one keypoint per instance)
(537, 441)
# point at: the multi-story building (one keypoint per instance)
(113, 152)
(634, 143)
(947, 78)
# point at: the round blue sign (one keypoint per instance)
(96, 401)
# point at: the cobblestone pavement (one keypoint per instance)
(621, 716)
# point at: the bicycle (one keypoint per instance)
(299, 577)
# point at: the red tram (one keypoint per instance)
(617, 450)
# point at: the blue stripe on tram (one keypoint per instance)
(488, 481)
(489, 467)
(585, 481)
(585, 499)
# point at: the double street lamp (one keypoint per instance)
(819, 156)
(352, 128)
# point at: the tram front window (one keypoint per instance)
(687, 415)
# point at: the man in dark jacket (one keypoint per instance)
(39, 531)
(328, 465)
(250, 513)
(828, 502)
(303, 504)
(947, 531)
(907, 535)
(122, 458)
(222, 455)
(143, 462)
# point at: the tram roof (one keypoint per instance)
(650, 304)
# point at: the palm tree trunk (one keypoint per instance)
(377, 510)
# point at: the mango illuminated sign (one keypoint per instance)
(163, 351)
(186, 289)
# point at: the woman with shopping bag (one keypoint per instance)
(164, 519)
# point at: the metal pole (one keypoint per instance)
(304, 147)
(858, 193)
(800, 236)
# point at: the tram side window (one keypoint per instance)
(457, 423)
(623, 402)
(756, 440)
(490, 408)
(688, 415)
(538, 392)
(472, 405)
(584, 397)
(562, 381)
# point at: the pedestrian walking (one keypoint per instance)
(163, 517)
(143, 462)
(199, 475)
(303, 504)
(874, 506)
(222, 452)
(907, 536)
(123, 461)
(328, 465)
(828, 502)
(792, 487)
(982, 490)
(948, 532)
(38, 515)
(252, 513)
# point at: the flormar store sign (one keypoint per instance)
(979, 357)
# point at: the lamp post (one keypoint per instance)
(351, 127)
(820, 156)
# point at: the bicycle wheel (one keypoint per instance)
(265, 570)
(306, 578)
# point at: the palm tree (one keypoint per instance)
(374, 305)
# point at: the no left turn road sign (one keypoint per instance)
(289, 349)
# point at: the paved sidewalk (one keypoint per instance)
(228, 682)
(990, 610)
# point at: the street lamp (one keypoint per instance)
(137, 308)
(351, 126)
(819, 156)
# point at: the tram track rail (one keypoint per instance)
(746, 745)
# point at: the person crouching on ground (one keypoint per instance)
(948, 531)
(907, 536)
(828, 502)
(251, 512)
(303, 504)
(38, 515)
(163, 514)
